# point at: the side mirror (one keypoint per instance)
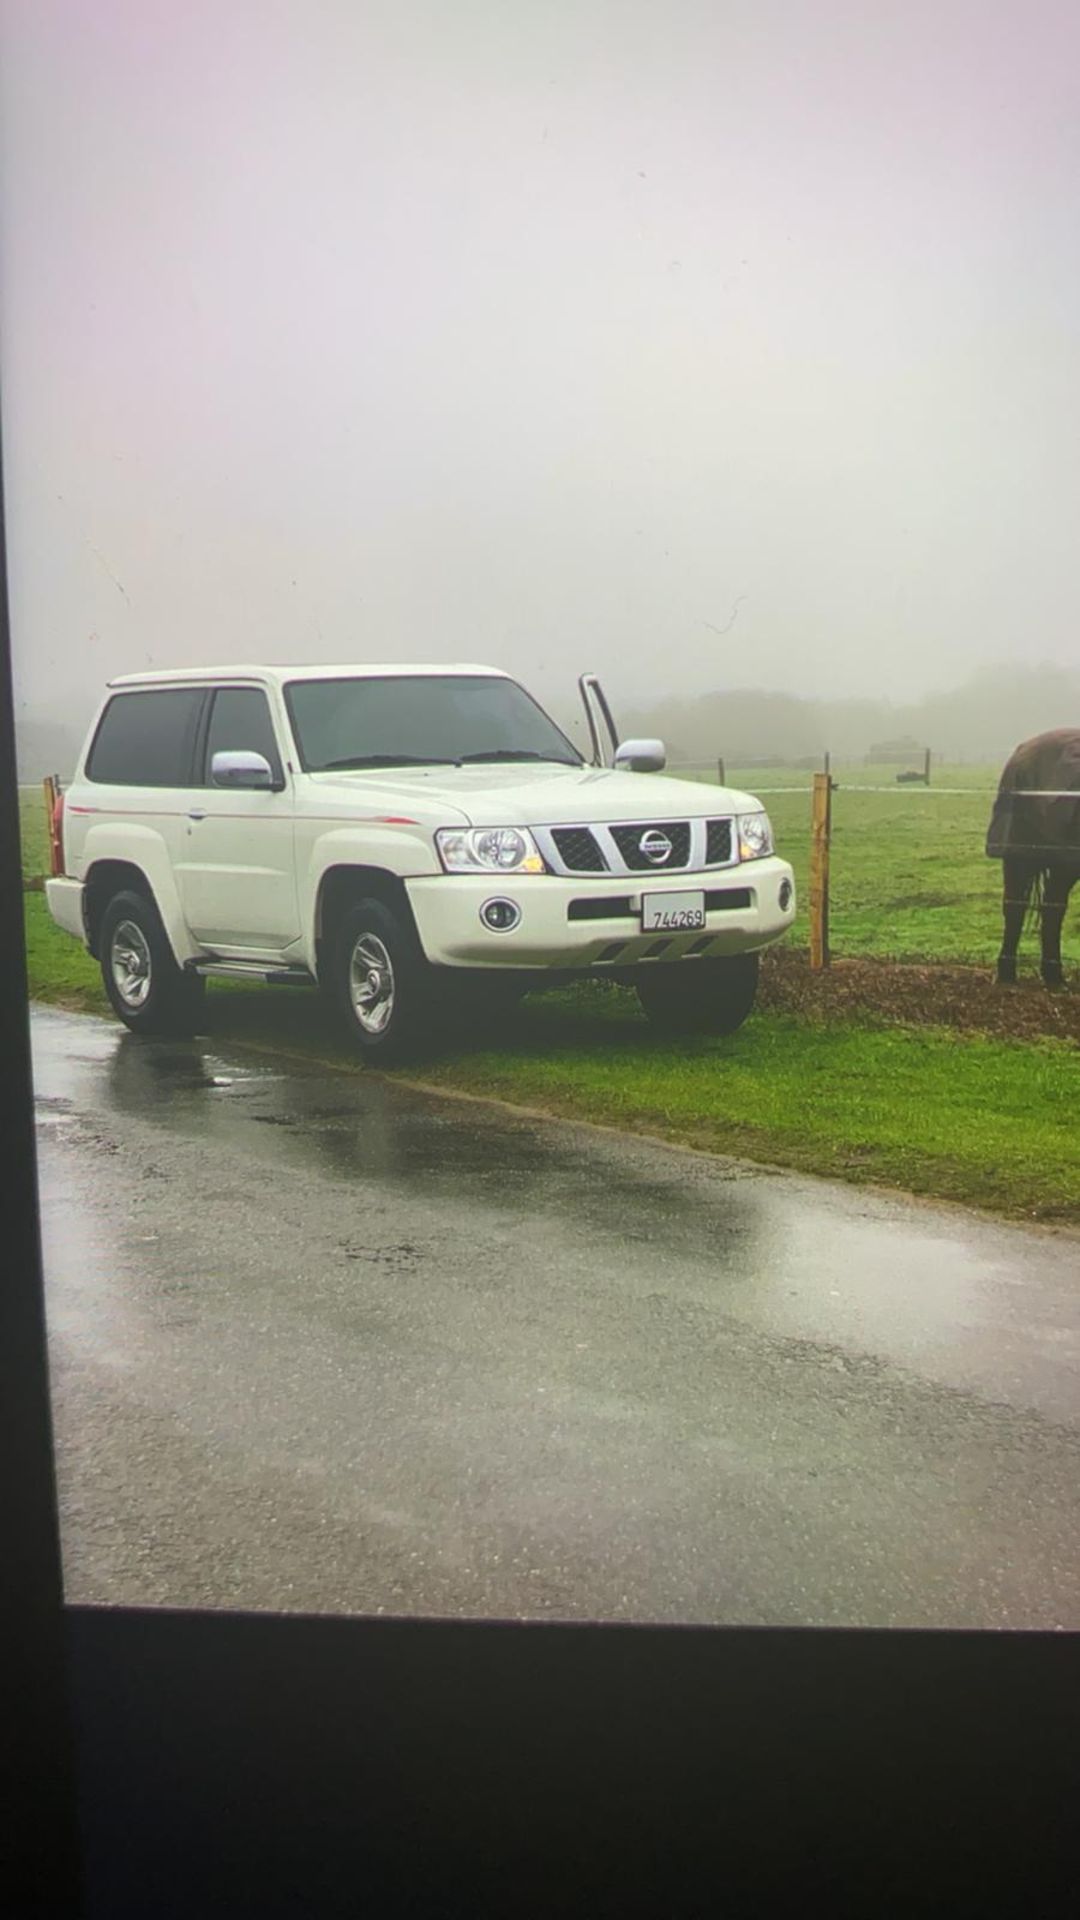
(641, 756)
(248, 770)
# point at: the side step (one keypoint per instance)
(253, 970)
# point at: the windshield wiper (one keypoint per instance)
(516, 753)
(356, 761)
(383, 760)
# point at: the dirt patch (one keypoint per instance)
(909, 993)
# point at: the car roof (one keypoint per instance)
(278, 675)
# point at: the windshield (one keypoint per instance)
(420, 720)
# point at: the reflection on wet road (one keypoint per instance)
(322, 1342)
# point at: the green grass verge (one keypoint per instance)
(33, 832)
(959, 1117)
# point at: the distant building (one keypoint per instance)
(900, 752)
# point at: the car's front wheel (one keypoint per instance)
(149, 992)
(379, 982)
(700, 996)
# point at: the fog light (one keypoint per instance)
(500, 916)
(785, 895)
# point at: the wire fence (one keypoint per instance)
(908, 874)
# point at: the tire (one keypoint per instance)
(703, 996)
(380, 983)
(146, 988)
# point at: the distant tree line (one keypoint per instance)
(981, 720)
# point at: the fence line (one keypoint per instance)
(1017, 793)
(845, 786)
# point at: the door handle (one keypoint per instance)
(197, 813)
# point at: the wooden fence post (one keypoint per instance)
(820, 833)
(720, 771)
(926, 769)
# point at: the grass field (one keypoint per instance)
(34, 833)
(989, 1122)
(909, 878)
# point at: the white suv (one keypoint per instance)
(401, 836)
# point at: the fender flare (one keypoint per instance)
(346, 862)
(145, 851)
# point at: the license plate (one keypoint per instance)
(672, 912)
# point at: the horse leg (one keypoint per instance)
(1018, 878)
(1055, 899)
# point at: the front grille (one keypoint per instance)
(717, 843)
(687, 846)
(628, 840)
(579, 850)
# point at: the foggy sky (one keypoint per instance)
(558, 334)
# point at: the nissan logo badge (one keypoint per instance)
(655, 846)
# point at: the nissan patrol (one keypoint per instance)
(401, 836)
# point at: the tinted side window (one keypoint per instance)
(240, 722)
(146, 739)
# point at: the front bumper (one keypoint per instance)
(743, 912)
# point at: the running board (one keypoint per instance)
(253, 970)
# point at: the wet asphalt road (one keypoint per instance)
(320, 1342)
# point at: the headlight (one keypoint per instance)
(488, 850)
(755, 836)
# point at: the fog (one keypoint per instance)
(717, 345)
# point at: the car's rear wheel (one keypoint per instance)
(147, 989)
(379, 982)
(700, 996)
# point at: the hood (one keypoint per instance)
(523, 795)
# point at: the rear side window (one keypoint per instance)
(240, 722)
(145, 739)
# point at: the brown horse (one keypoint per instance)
(1035, 833)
